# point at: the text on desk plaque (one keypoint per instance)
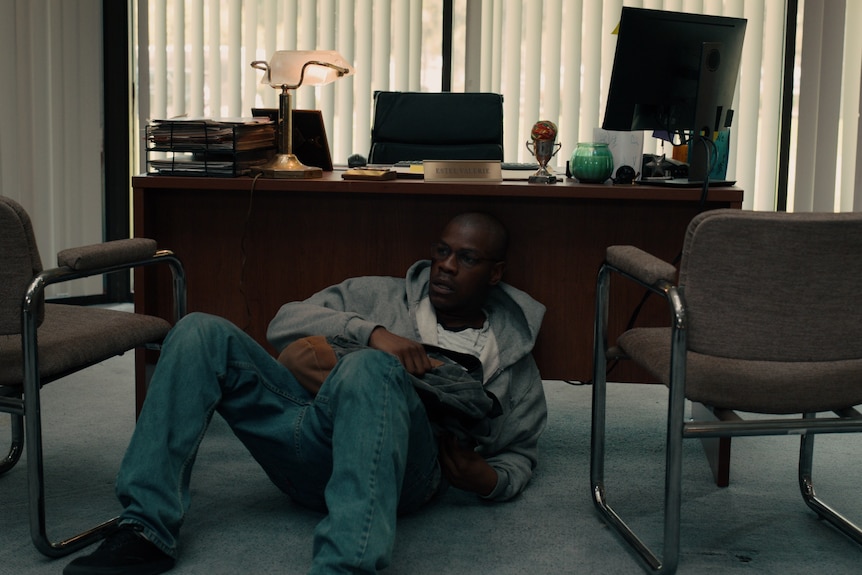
(463, 171)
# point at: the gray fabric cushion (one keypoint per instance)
(19, 264)
(750, 385)
(774, 286)
(73, 336)
(772, 319)
(645, 266)
(107, 254)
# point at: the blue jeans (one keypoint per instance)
(362, 450)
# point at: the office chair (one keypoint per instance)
(415, 126)
(43, 342)
(763, 319)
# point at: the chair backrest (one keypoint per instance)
(412, 126)
(19, 262)
(774, 286)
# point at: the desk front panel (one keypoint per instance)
(246, 253)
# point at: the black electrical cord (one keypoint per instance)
(704, 194)
(243, 256)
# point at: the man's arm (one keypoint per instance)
(464, 468)
(411, 354)
(351, 309)
(512, 451)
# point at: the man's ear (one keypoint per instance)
(497, 273)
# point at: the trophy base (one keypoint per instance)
(542, 179)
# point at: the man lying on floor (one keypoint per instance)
(396, 388)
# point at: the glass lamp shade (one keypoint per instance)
(286, 68)
(286, 71)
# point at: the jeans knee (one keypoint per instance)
(370, 369)
(198, 327)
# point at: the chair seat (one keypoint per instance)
(753, 386)
(72, 336)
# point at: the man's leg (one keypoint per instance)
(206, 364)
(382, 450)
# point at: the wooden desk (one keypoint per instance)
(249, 249)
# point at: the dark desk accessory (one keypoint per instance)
(356, 161)
(625, 175)
(309, 142)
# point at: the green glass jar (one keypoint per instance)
(592, 163)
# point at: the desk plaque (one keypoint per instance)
(476, 171)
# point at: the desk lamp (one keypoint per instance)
(288, 70)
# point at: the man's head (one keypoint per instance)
(467, 260)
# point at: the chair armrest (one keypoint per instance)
(107, 254)
(100, 259)
(640, 265)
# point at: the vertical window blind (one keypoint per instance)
(194, 57)
(551, 60)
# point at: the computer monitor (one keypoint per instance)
(675, 72)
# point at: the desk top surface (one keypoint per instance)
(331, 182)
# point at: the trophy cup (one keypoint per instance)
(542, 138)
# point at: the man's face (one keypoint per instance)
(464, 267)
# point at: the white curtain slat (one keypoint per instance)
(473, 47)
(176, 45)
(767, 117)
(269, 17)
(326, 40)
(849, 183)
(159, 57)
(511, 77)
(342, 133)
(289, 33)
(571, 64)
(214, 66)
(819, 102)
(304, 98)
(236, 65)
(551, 60)
(250, 77)
(416, 38)
(594, 31)
(532, 69)
(362, 79)
(196, 52)
(745, 131)
(856, 188)
(486, 45)
(496, 63)
(400, 26)
(381, 45)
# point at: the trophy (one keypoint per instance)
(542, 138)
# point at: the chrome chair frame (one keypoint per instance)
(678, 429)
(25, 408)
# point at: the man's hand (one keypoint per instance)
(410, 353)
(464, 468)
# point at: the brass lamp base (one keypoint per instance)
(287, 166)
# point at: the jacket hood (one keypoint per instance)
(516, 329)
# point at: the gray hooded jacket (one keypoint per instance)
(353, 308)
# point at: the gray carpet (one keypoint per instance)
(239, 523)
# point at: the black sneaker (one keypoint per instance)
(123, 552)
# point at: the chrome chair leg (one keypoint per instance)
(806, 486)
(16, 446)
